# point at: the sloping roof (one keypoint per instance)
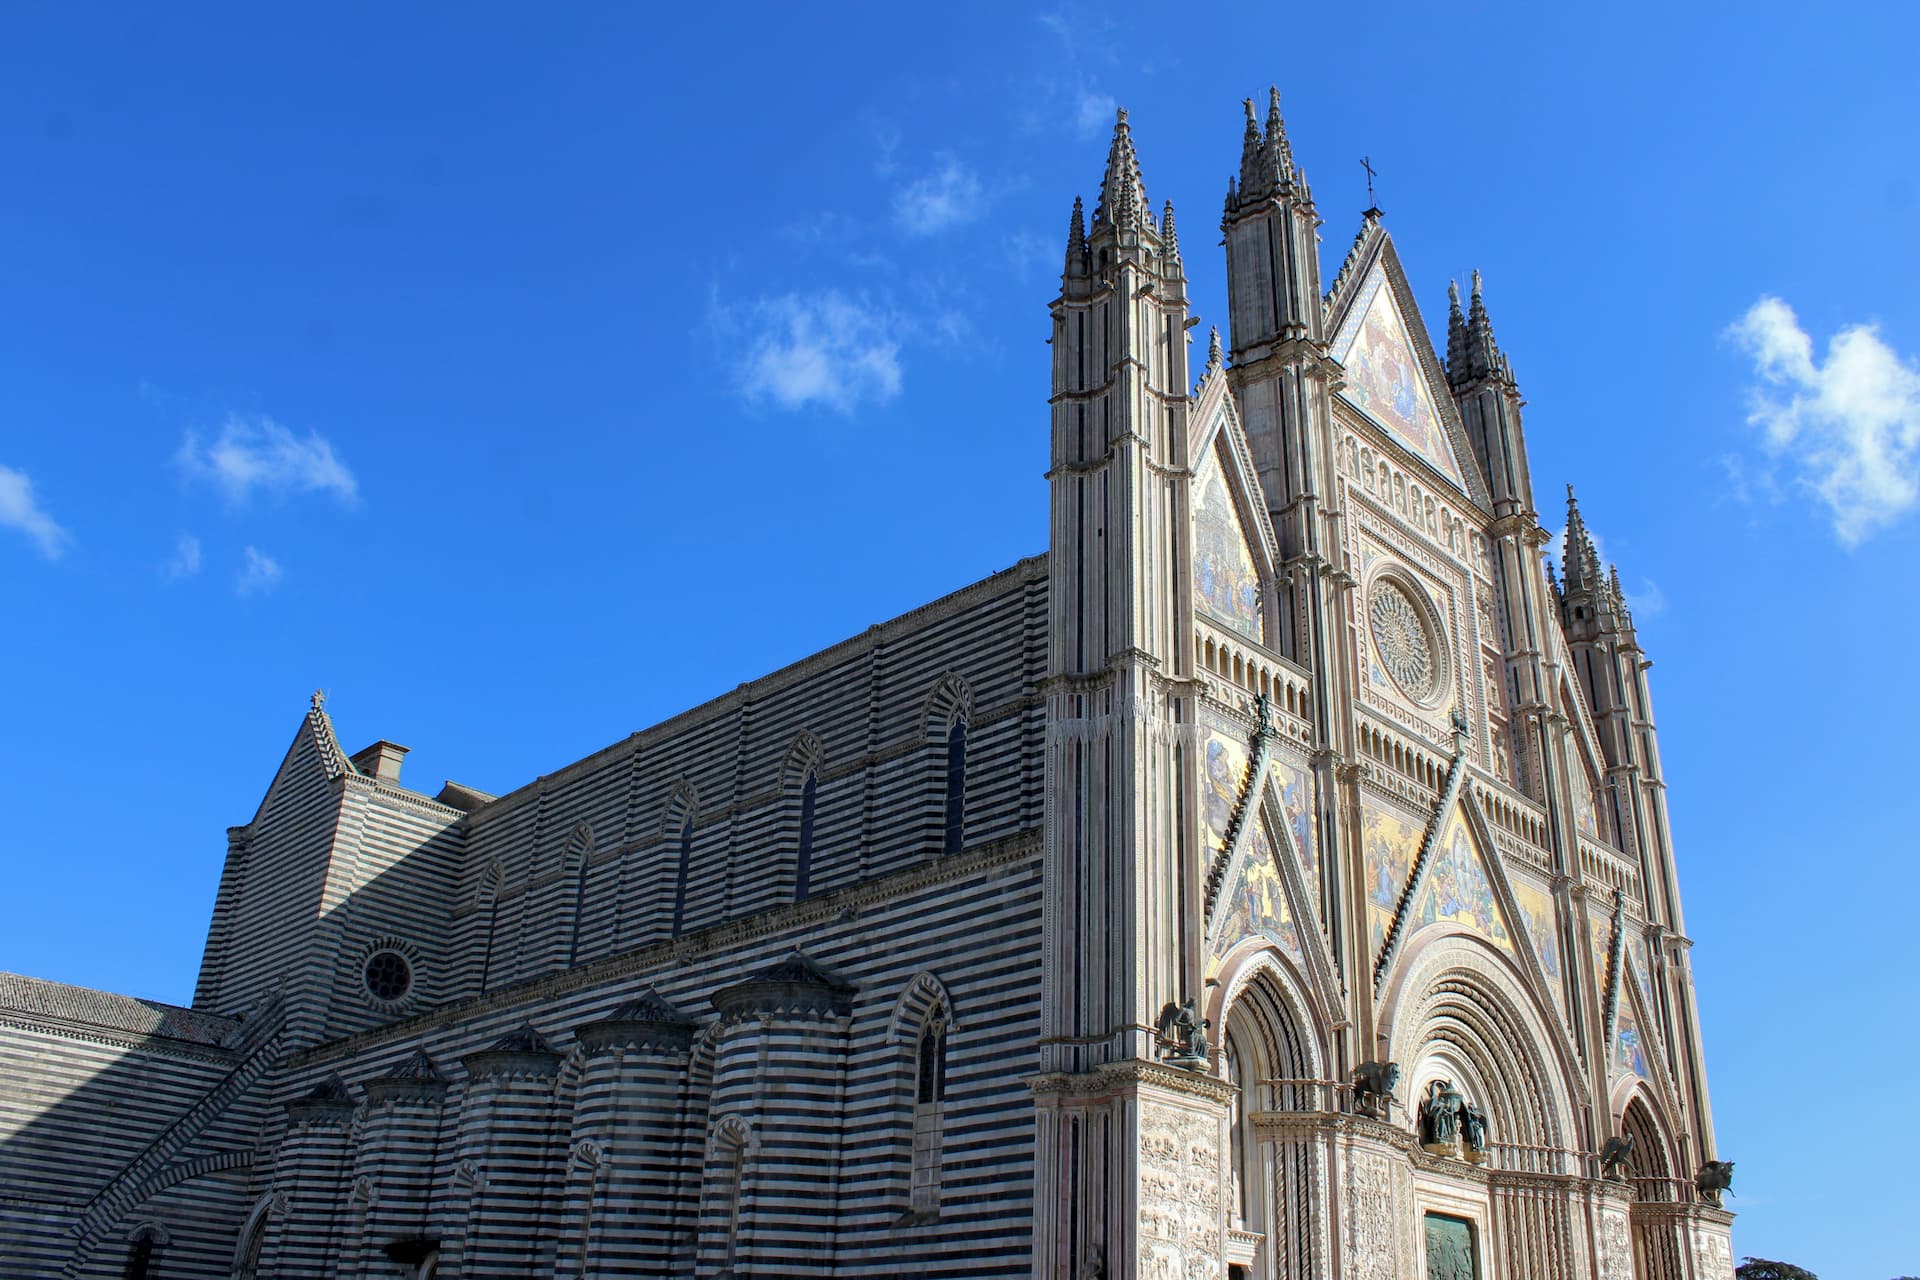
(108, 1011)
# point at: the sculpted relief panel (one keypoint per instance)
(1616, 1247)
(1180, 1194)
(1713, 1257)
(1374, 1236)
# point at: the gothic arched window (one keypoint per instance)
(680, 880)
(803, 857)
(929, 1105)
(956, 786)
(143, 1255)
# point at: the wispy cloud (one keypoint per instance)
(258, 455)
(1095, 113)
(185, 560)
(260, 572)
(949, 196)
(1847, 427)
(19, 509)
(829, 349)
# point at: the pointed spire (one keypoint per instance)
(1580, 561)
(1169, 237)
(1266, 159)
(1456, 336)
(1482, 353)
(1277, 133)
(1077, 228)
(1123, 196)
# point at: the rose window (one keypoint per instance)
(1404, 639)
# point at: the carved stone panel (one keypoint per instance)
(1376, 1215)
(1713, 1256)
(1616, 1247)
(1180, 1194)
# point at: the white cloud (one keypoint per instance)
(948, 197)
(1096, 112)
(259, 455)
(823, 349)
(185, 561)
(1847, 427)
(19, 509)
(259, 573)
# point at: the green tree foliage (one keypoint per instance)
(1766, 1269)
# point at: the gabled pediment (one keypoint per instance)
(1391, 373)
(1234, 550)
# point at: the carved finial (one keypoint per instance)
(1167, 232)
(1476, 282)
(1122, 194)
(1215, 358)
(319, 699)
(1453, 295)
(1077, 227)
(1253, 124)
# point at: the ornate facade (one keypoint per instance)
(1270, 880)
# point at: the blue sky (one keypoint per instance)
(521, 379)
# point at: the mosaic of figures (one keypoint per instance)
(1256, 902)
(1457, 888)
(1459, 891)
(1584, 813)
(1180, 1217)
(1629, 1042)
(1385, 380)
(1226, 579)
(1537, 917)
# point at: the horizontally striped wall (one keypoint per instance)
(604, 836)
(597, 1131)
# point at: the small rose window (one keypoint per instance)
(389, 976)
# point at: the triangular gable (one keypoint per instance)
(1458, 890)
(1224, 757)
(1256, 902)
(1386, 377)
(1227, 583)
(1583, 752)
(1235, 552)
(312, 756)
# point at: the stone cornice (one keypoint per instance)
(1124, 1077)
(161, 1046)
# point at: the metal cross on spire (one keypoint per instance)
(1366, 162)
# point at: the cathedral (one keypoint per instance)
(1270, 880)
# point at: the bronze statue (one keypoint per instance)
(1187, 1031)
(1473, 1131)
(1613, 1156)
(1440, 1117)
(1373, 1085)
(1715, 1177)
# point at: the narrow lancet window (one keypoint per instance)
(929, 1102)
(803, 860)
(680, 881)
(956, 786)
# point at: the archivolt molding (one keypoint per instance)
(922, 996)
(1459, 989)
(951, 699)
(1262, 962)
